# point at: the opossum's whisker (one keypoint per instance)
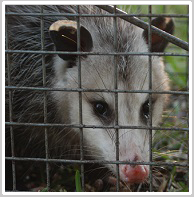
(92, 152)
(97, 85)
(161, 84)
(107, 174)
(65, 134)
(72, 78)
(83, 85)
(94, 169)
(128, 130)
(144, 80)
(100, 76)
(74, 153)
(100, 95)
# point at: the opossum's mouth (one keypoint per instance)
(134, 174)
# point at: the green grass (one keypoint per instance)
(78, 181)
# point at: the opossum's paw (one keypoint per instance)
(134, 174)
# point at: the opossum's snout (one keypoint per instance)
(134, 173)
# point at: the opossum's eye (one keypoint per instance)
(101, 108)
(145, 109)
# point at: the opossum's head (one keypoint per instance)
(98, 108)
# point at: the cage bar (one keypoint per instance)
(150, 94)
(45, 99)
(12, 144)
(80, 100)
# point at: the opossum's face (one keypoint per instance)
(98, 108)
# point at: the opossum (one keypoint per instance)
(97, 72)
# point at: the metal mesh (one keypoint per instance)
(115, 13)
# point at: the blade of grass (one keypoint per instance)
(78, 181)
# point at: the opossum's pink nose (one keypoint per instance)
(134, 174)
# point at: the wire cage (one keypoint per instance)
(169, 152)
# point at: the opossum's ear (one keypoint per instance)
(64, 35)
(158, 42)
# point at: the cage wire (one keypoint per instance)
(112, 11)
